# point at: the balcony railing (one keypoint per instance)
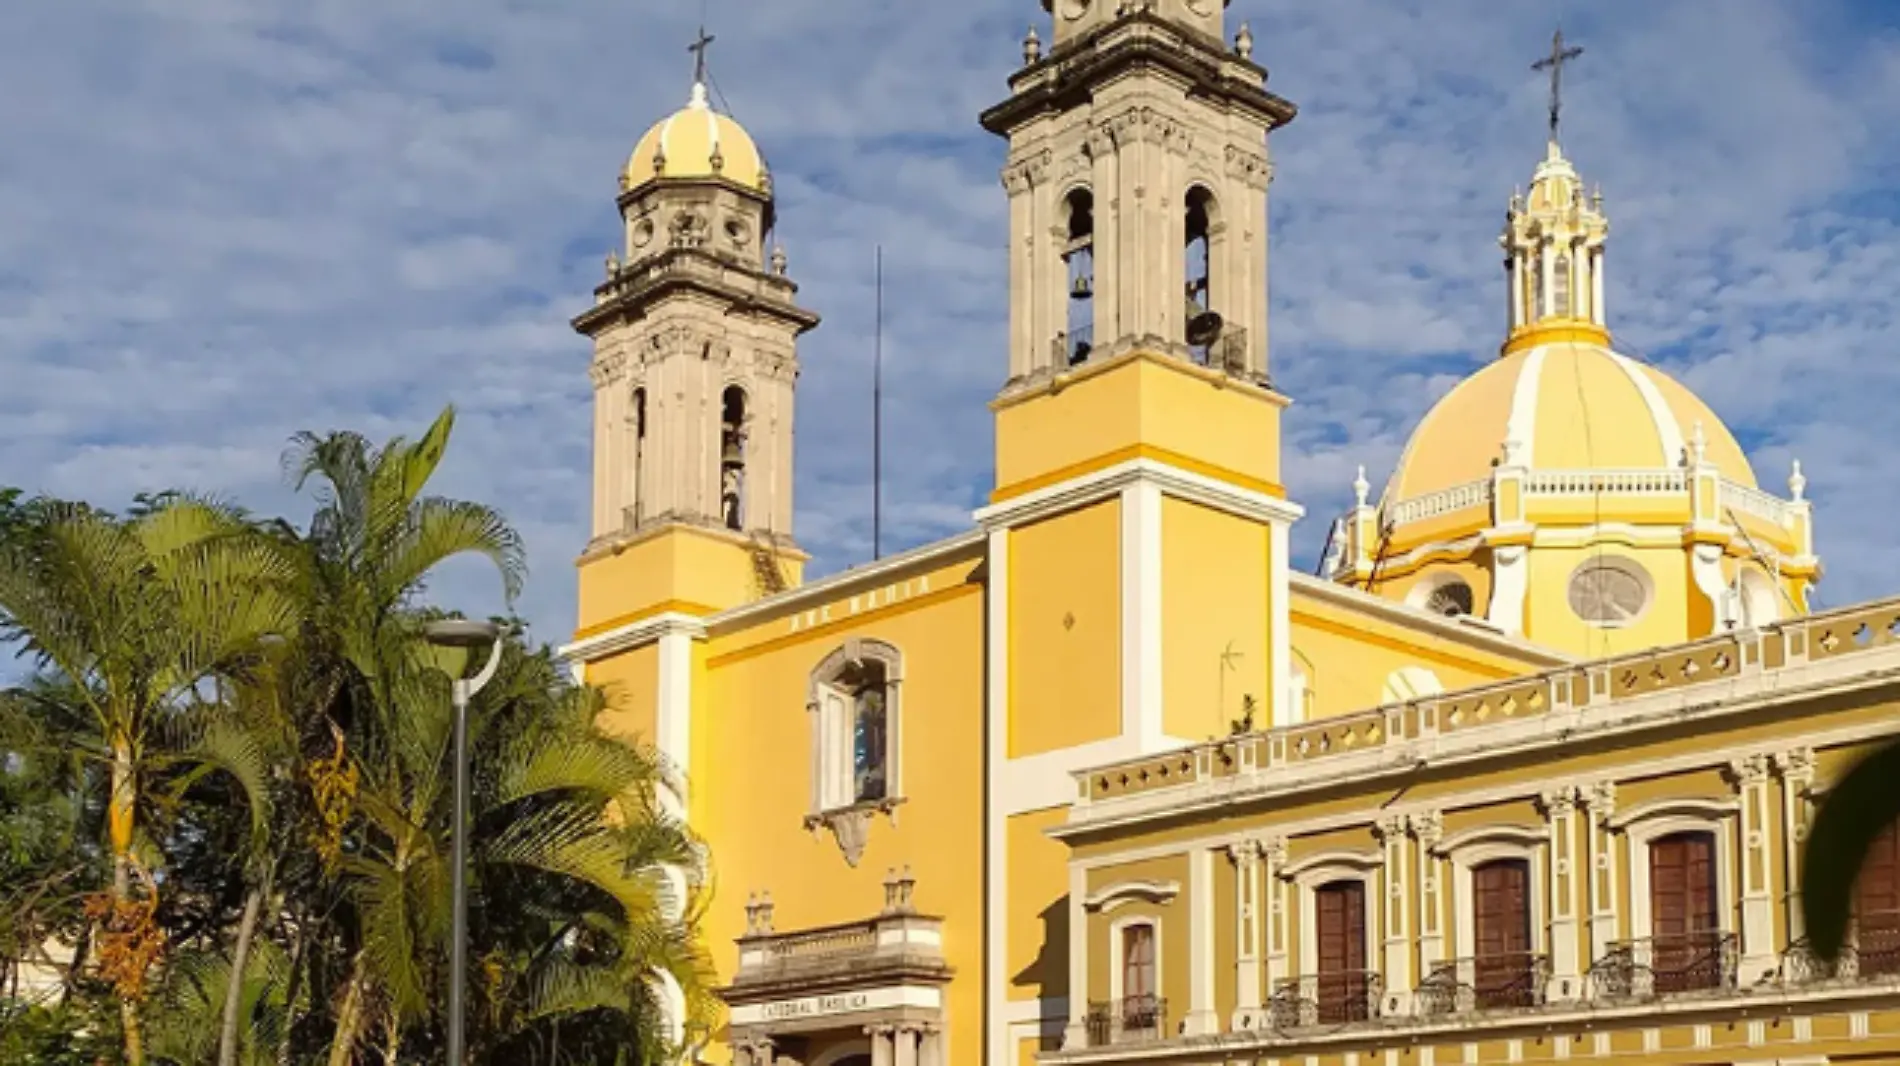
(1512, 981)
(1127, 1020)
(1339, 998)
(1666, 965)
(1872, 950)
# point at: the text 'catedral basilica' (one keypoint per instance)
(1522, 778)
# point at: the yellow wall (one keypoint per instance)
(1214, 595)
(1134, 405)
(672, 568)
(1065, 637)
(1038, 907)
(630, 682)
(1352, 653)
(1549, 620)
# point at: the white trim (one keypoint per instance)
(1521, 425)
(1471, 850)
(1107, 900)
(1034, 1011)
(1115, 928)
(1047, 779)
(998, 1050)
(832, 719)
(1679, 808)
(1141, 611)
(1200, 1018)
(1288, 705)
(1470, 632)
(632, 635)
(1523, 837)
(673, 717)
(1316, 872)
(1668, 430)
(1319, 868)
(1099, 484)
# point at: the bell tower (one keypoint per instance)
(694, 328)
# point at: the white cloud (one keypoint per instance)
(228, 221)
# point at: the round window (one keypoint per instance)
(1609, 592)
(1452, 599)
(643, 233)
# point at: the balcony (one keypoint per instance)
(1341, 998)
(1131, 1019)
(1666, 965)
(1872, 952)
(1513, 981)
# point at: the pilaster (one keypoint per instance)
(1273, 860)
(1759, 958)
(1796, 770)
(1427, 829)
(1247, 859)
(1566, 976)
(1397, 964)
(1075, 1036)
(1201, 1019)
(1599, 800)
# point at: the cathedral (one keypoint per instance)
(1521, 776)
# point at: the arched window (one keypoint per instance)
(1344, 983)
(855, 707)
(732, 429)
(1197, 263)
(639, 454)
(1505, 973)
(1078, 257)
(1686, 949)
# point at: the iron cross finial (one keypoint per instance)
(698, 48)
(1554, 62)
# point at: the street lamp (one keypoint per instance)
(469, 635)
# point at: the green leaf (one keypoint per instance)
(1857, 809)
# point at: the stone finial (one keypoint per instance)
(758, 914)
(779, 261)
(1798, 483)
(1243, 42)
(1513, 452)
(1032, 47)
(1360, 488)
(898, 888)
(1698, 444)
(613, 263)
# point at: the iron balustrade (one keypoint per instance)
(1339, 998)
(1125, 1020)
(1666, 965)
(1872, 950)
(1510, 981)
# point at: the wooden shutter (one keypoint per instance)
(1877, 906)
(1340, 925)
(1501, 932)
(1684, 919)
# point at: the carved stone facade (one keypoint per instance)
(695, 364)
(1128, 193)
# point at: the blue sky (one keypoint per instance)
(224, 221)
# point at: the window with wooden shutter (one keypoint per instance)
(1342, 990)
(1877, 906)
(1503, 968)
(1686, 945)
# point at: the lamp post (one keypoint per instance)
(462, 633)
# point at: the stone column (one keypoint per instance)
(1200, 1019)
(1547, 276)
(1560, 806)
(1750, 776)
(930, 1045)
(1580, 290)
(907, 1036)
(1796, 768)
(1076, 1036)
(1272, 860)
(1247, 910)
(1514, 302)
(1428, 828)
(754, 1051)
(1600, 849)
(1397, 963)
(883, 1044)
(1596, 286)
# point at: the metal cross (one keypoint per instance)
(1559, 55)
(698, 48)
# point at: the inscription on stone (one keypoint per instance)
(814, 1006)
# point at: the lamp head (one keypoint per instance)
(461, 633)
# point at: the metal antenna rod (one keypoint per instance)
(877, 418)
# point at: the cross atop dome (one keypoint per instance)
(700, 46)
(1554, 62)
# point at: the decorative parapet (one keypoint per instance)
(898, 947)
(1734, 496)
(1603, 693)
(1444, 501)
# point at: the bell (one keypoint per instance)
(1081, 290)
(1204, 329)
(732, 454)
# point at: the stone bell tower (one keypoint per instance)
(1137, 179)
(695, 361)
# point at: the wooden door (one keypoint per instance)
(1501, 933)
(1340, 924)
(1685, 945)
(1877, 906)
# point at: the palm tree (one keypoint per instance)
(1856, 811)
(134, 616)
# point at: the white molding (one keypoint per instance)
(1472, 850)
(1201, 1018)
(1287, 706)
(1141, 611)
(1047, 779)
(1035, 1011)
(1521, 424)
(632, 635)
(1107, 900)
(1526, 789)
(1325, 866)
(1675, 807)
(1092, 487)
(1306, 888)
(1519, 836)
(997, 1049)
(1467, 631)
(1668, 430)
(673, 717)
(1115, 928)
(1721, 824)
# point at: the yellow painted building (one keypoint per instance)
(940, 790)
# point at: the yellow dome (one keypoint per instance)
(1568, 406)
(697, 142)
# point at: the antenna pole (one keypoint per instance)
(877, 417)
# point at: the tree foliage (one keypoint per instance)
(225, 794)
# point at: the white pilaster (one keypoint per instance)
(995, 842)
(674, 717)
(884, 1044)
(1596, 287)
(1075, 1036)
(1759, 958)
(1796, 767)
(1247, 939)
(1141, 614)
(1515, 298)
(1201, 1018)
(1397, 965)
(1288, 708)
(1428, 828)
(906, 1038)
(1566, 977)
(1547, 276)
(1600, 801)
(1582, 292)
(1273, 860)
